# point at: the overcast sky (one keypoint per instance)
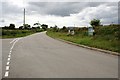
(58, 13)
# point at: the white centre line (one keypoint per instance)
(7, 68)
(13, 40)
(8, 59)
(9, 55)
(8, 63)
(6, 73)
(10, 51)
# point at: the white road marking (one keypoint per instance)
(14, 43)
(8, 59)
(7, 68)
(13, 40)
(9, 55)
(8, 63)
(11, 48)
(6, 73)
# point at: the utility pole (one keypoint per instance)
(24, 19)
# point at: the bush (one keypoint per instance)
(108, 32)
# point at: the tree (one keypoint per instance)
(95, 22)
(5, 27)
(26, 26)
(12, 26)
(64, 29)
(55, 28)
(36, 25)
(21, 27)
(44, 26)
(51, 27)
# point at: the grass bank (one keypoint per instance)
(16, 33)
(97, 42)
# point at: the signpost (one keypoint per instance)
(71, 30)
(90, 31)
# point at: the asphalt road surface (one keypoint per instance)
(39, 56)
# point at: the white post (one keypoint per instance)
(68, 31)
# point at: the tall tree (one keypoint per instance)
(37, 25)
(21, 27)
(95, 22)
(44, 26)
(12, 26)
(26, 26)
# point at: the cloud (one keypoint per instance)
(59, 8)
(107, 14)
(60, 13)
(2, 20)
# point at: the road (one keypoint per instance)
(39, 56)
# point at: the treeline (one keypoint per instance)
(26, 27)
(12, 32)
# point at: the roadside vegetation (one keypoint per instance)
(105, 37)
(12, 32)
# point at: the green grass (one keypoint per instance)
(98, 42)
(16, 33)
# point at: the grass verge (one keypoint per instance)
(112, 45)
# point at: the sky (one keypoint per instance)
(60, 13)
